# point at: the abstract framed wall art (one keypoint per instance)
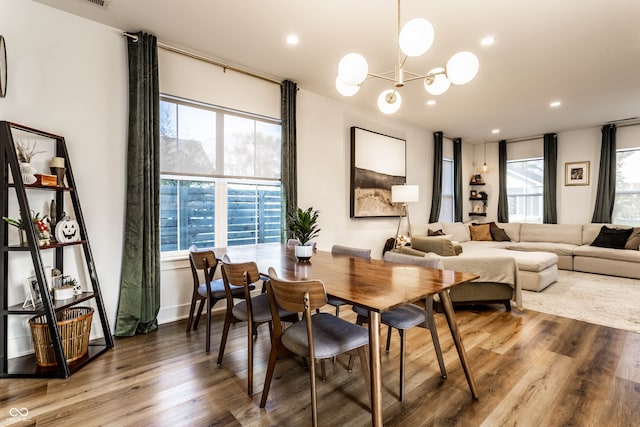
(377, 162)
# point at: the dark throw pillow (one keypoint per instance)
(612, 238)
(499, 235)
(435, 232)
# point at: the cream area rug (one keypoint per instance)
(603, 300)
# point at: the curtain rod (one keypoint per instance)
(225, 67)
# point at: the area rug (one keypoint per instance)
(603, 300)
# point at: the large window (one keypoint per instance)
(220, 177)
(525, 189)
(626, 209)
(447, 202)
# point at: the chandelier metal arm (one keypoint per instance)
(383, 76)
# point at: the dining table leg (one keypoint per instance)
(457, 339)
(207, 346)
(375, 368)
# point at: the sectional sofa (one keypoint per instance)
(539, 249)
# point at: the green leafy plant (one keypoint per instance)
(303, 225)
(35, 217)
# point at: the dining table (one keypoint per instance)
(375, 285)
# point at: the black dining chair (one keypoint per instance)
(407, 316)
(319, 336)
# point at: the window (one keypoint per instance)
(525, 189)
(626, 208)
(220, 177)
(447, 202)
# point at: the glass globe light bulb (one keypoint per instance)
(416, 37)
(389, 101)
(345, 89)
(462, 67)
(436, 84)
(353, 69)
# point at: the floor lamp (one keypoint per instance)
(404, 194)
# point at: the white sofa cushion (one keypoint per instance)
(512, 229)
(556, 248)
(552, 233)
(607, 253)
(459, 230)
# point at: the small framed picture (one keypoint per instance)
(576, 173)
(32, 291)
(474, 194)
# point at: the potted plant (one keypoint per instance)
(44, 236)
(25, 152)
(303, 225)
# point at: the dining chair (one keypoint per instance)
(346, 250)
(407, 316)
(203, 267)
(319, 336)
(254, 310)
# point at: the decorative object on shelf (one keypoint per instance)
(28, 173)
(474, 194)
(74, 325)
(53, 215)
(404, 194)
(46, 180)
(414, 39)
(483, 196)
(477, 209)
(44, 236)
(56, 166)
(576, 173)
(303, 225)
(32, 291)
(26, 151)
(3, 67)
(63, 293)
(476, 180)
(67, 230)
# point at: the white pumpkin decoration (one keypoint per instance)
(67, 230)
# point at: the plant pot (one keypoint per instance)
(304, 252)
(23, 237)
(27, 172)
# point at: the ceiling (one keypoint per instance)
(585, 54)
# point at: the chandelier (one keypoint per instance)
(414, 39)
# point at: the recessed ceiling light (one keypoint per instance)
(431, 102)
(495, 131)
(555, 104)
(487, 41)
(292, 39)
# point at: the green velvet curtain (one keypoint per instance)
(436, 195)
(550, 215)
(605, 197)
(503, 203)
(288, 92)
(457, 180)
(140, 276)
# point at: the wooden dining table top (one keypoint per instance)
(369, 283)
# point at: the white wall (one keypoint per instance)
(68, 76)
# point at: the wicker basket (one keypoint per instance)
(74, 325)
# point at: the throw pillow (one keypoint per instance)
(435, 232)
(480, 232)
(612, 238)
(633, 242)
(498, 234)
(441, 247)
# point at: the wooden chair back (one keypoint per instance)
(204, 261)
(297, 296)
(239, 274)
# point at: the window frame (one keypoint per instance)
(220, 180)
(527, 195)
(626, 192)
(444, 196)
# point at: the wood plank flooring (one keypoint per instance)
(532, 369)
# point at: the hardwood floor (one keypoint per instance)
(532, 369)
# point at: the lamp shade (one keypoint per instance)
(389, 101)
(416, 37)
(404, 193)
(353, 69)
(462, 68)
(345, 89)
(436, 83)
